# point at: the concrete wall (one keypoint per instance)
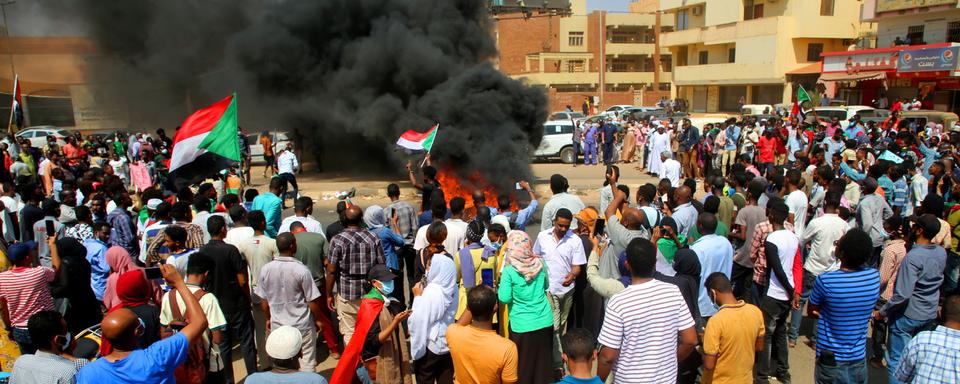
(934, 31)
(539, 34)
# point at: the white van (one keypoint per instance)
(557, 141)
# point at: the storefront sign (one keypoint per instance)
(952, 83)
(896, 5)
(928, 59)
(877, 61)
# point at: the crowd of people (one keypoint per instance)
(851, 229)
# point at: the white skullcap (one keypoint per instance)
(284, 343)
(152, 204)
(502, 220)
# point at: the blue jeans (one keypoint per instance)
(841, 372)
(22, 337)
(901, 330)
(796, 315)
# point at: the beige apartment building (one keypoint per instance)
(611, 56)
(732, 52)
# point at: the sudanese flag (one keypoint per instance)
(205, 144)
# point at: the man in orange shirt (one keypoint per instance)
(479, 354)
(267, 143)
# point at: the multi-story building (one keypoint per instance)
(917, 42)
(611, 56)
(732, 52)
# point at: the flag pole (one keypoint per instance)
(427, 156)
(13, 99)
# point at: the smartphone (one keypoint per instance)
(153, 273)
(486, 277)
(393, 212)
(598, 227)
(50, 230)
(518, 187)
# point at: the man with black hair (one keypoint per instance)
(290, 297)
(606, 193)
(780, 249)
(933, 356)
(916, 293)
(203, 206)
(303, 213)
(311, 251)
(683, 211)
(918, 187)
(429, 185)
(162, 219)
(715, 254)
(519, 218)
(51, 211)
(352, 253)
(579, 353)
(48, 332)
(456, 227)
(175, 238)
(407, 222)
(796, 201)
(96, 247)
(228, 281)
(271, 205)
(726, 209)
(337, 226)
(843, 300)
(563, 254)
(872, 210)
(24, 290)
(560, 199)
(745, 224)
(647, 324)
(733, 336)
(198, 275)
(123, 228)
(479, 354)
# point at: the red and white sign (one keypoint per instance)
(873, 61)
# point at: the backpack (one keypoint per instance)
(194, 369)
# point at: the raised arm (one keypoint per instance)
(197, 320)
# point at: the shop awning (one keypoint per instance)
(806, 69)
(857, 76)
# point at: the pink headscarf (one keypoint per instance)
(519, 254)
(120, 262)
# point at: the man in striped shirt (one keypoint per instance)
(844, 300)
(647, 327)
(24, 290)
(933, 356)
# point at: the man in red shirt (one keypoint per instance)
(24, 290)
(766, 148)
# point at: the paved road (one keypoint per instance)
(584, 181)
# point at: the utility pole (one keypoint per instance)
(602, 29)
(656, 52)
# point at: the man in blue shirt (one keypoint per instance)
(97, 257)
(844, 300)
(715, 254)
(730, 146)
(127, 363)
(609, 137)
(590, 145)
(271, 205)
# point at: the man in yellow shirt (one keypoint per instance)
(732, 337)
(480, 355)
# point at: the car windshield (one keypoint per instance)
(64, 132)
(830, 114)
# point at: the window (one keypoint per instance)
(826, 7)
(813, 51)
(704, 57)
(953, 32)
(666, 63)
(915, 34)
(732, 55)
(576, 39)
(683, 20)
(751, 10)
(575, 66)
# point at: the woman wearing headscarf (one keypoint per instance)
(120, 262)
(523, 285)
(73, 285)
(433, 309)
(135, 293)
(687, 279)
(436, 234)
(390, 241)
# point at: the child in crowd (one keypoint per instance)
(579, 353)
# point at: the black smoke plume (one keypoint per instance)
(347, 76)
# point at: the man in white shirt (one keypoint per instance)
(669, 169)
(302, 210)
(11, 212)
(456, 227)
(564, 255)
(203, 207)
(561, 199)
(287, 165)
(780, 250)
(796, 201)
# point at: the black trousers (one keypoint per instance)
(288, 178)
(432, 368)
(405, 256)
(742, 279)
(534, 356)
(773, 360)
(239, 330)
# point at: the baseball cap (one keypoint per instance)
(19, 251)
(928, 224)
(380, 272)
(152, 204)
(283, 343)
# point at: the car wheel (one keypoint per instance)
(567, 155)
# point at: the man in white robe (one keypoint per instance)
(659, 142)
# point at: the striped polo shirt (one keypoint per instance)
(26, 291)
(643, 321)
(846, 300)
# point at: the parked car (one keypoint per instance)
(557, 142)
(280, 140)
(757, 109)
(842, 113)
(641, 113)
(38, 134)
(565, 116)
(924, 116)
(616, 110)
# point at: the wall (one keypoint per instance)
(724, 11)
(518, 37)
(934, 31)
(573, 24)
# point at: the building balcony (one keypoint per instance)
(724, 33)
(729, 73)
(666, 5)
(617, 49)
(637, 19)
(592, 78)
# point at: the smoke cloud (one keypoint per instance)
(347, 76)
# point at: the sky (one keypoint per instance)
(608, 5)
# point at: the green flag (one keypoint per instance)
(802, 95)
